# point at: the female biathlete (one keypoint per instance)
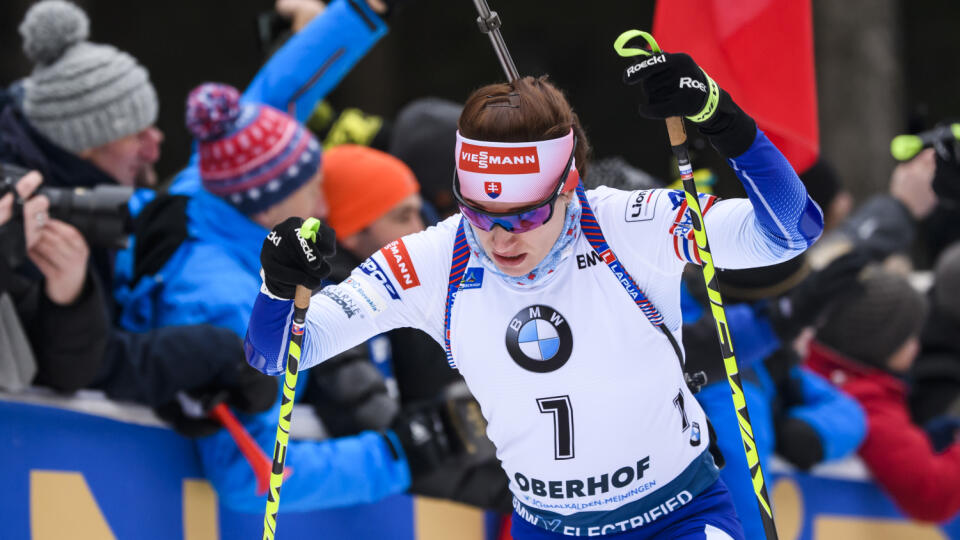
(561, 307)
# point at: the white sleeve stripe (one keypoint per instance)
(790, 241)
(713, 533)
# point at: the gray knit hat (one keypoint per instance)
(871, 323)
(81, 95)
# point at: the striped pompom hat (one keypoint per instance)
(251, 155)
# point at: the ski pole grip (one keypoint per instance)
(678, 134)
(301, 299)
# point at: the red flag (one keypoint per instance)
(761, 52)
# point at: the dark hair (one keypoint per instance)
(530, 109)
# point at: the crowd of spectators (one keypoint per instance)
(840, 353)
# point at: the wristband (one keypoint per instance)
(713, 100)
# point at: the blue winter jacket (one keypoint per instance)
(837, 419)
(213, 277)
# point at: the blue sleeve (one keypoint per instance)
(718, 404)
(788, 218)
(265, 343)
(307, 67)
(314, 61)
(837, 418)
(751, 333)
(330, 473)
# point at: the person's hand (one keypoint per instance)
(248, 392)
(912, 184)
(673, 84)
(57, 248)
(289, 260)
(300, 12)
(434, 433)
(381, 7)
(24, 187)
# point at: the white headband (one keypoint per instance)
(522, 172)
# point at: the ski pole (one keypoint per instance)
(301, 302)
(678, 143)
(258, 460)
(489, 23)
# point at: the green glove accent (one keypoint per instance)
(308, 231)
(713, 100)
(713, 93)
(620, 44)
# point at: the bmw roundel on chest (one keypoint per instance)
(539, 339)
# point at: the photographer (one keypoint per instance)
(64, 301)
(85, 116)
(917, 217)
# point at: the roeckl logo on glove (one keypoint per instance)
(306, 248)
(648, 62)
(689, 82)
(274, 238)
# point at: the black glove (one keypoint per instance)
(674, 85)
(250, 392)
(289, 260)
(801, 307)
(350, 395)
(433, 434)
(424, 439)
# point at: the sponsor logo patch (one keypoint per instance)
(539, 339)
(402, 265)
(496, 160)
(641, 205)
(586, 260)
(472, 279)
(364, 295)
(372, 269)
(347, 305)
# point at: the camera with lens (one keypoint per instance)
(99, 213)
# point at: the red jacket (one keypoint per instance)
(924, 485)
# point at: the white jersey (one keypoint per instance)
(585, 399)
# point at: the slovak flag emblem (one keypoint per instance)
(493, 189)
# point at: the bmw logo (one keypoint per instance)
(539, 339)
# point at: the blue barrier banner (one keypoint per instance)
(80, 476)
(817, 507)
(83, 476)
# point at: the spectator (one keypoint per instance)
(886, 224)
(63, 302)
(935, 393)
(866, 345)
(84, 117)
(793, 412)
(424, 137)
(373, 200)
(259, 185)
(825, 188)
(86, 100)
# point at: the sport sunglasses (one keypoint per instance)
(517, 221)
